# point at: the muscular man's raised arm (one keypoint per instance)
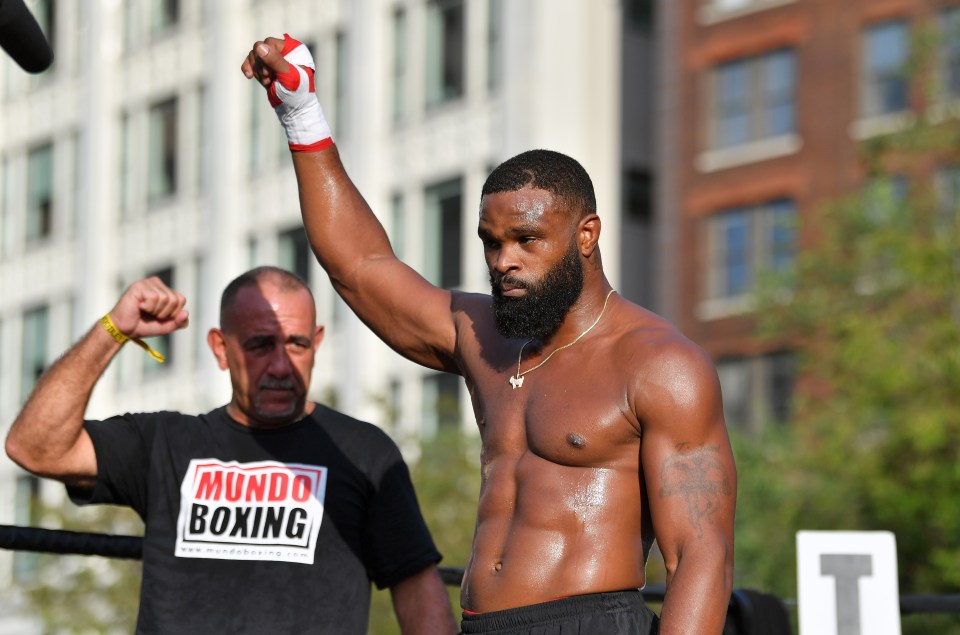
(47, 437)
(411, 315)
(691, 484)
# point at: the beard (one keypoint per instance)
(540, 312)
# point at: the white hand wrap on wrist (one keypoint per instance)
(294, 99)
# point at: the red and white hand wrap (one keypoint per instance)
(294, 99)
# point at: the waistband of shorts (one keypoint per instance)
(607, 602)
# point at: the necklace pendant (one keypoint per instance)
(516, 381)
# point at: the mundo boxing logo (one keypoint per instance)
(250, 511)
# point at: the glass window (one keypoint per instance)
(162, 149)
(256, 158)
(639, 14)
(33, 355)
(126, 180)
(884, 79)
(204, 134)
(494, 43)
(639, 195)
(734, 374)
(754, 98)
(441, 402)
(949, 56)
(164, 14)
(340, 90)
(948, 192)
(445, 51)
(39, 218)
(442, 204)
(45, 13)
(757, 390)
(398, 225)
(6, 180)
(745, 241)
(293, 252)
(399, 65)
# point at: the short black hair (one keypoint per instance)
(547, 170)
(286, 280)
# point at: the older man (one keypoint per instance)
(271, 514)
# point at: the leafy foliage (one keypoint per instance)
(447, 481)
(86, 594)
(873, 310)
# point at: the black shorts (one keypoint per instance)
(616, 613)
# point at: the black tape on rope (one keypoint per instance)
(72, 542)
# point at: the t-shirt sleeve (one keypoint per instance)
(123, 447)
(398, 541)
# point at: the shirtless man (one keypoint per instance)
(602, 426)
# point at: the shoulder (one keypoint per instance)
(664, 368)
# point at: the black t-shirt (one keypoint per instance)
(261, 531)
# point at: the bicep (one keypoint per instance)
(411, 315)
(687, 462)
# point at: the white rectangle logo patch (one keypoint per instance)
(250, 511)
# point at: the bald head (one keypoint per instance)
(279, 278)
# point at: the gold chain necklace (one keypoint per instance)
(517, 380)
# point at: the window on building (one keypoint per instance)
(443, 223)
(203, 137)
(757, 390)
(883, 77)
(341, 109)
(747, 240)
(494, 43)
(6, 217)
(126, 154)
(949, 54)
(164, 14)
(162, 150)
(446, 58)
(947, 183)
(26, 505)
(34, 350)
(256, 157)
(639, 14)
(39, 217)
(398, 237)
(45, 13)
(399, 68)
(639, 195)
(754, 98)
(293, 252)
(441, 402)
(163, 344)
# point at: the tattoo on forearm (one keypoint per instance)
(700, 478)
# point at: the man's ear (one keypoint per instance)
(588, 234)
(317, 337)
(218, 344)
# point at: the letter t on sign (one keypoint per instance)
(847, 583)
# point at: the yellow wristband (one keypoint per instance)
(122, 337)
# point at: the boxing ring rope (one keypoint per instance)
(62, 541)
(65, 542)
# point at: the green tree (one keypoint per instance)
(872, 310)
(86, 594)
(447, 481)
